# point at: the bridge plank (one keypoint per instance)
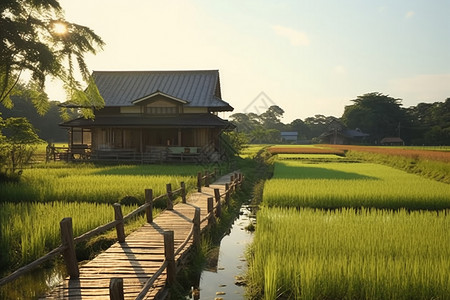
(140, 256)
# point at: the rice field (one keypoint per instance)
(304, 149)
(332, 229)
(371, 254)
(30, 210)
(88, 183)
(29, 230)
(334, 185)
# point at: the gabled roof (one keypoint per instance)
(197, 88)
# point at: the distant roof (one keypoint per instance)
(130, 120)
(197, 88)
(391, 140)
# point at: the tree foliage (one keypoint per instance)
(18, 140)
(263, 128)
(37, 40)
(45, 121)
(429, 123)
(377, 114)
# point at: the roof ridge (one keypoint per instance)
(154, 71)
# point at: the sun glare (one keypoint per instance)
(59, 28)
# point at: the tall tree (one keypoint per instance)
(318, 125)
(301, 128)
(36, 39)
(377, 114)
(270, 119)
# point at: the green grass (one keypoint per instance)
(333, 185)
(343, 254)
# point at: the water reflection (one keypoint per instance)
(231, 265)
(35, 284)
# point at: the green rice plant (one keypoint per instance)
(430, 168)
(29, 230)
(350, 254)
(310, 156)
(334, 185)
(88, 183)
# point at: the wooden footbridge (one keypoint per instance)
(144, 264)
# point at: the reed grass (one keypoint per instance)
(348, 254)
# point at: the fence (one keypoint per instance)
(68, 242)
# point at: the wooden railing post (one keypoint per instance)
(149, 201)
(169, 196)
(116, 289)
(183, 192)
(119, 227)
(196, 221)
(69, 254)
(232, 182)
(169, 253)
(206, 178)
(211, 219)
(219, 203)
(227, 193)
(199, 181)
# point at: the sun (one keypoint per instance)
(59, 28)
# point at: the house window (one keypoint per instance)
(81, 136)
(156, 110)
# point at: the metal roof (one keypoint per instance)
(198, 88)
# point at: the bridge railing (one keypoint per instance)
(68, 242)
(214, 210)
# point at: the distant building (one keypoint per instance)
(338, 133)
(289, 136)
(392, 141)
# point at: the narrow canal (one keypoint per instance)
(225, 280)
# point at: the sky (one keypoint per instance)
(307, 57)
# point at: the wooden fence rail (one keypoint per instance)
(67, 248)
(236, 180)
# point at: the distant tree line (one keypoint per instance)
(376, 114)
(45, 123)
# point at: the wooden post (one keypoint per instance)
(149, 209)
(196, 221)
(227, 193)
(211, 219)
(119, 227)
(169, 196)
(206, 178)
(169, 253)
(183, 192)
(219, 203)
(69, 254)
(116, 289)
(199, 181)
(232, 182)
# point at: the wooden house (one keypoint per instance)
(392, 141)
(338, 133)
(153, 116)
